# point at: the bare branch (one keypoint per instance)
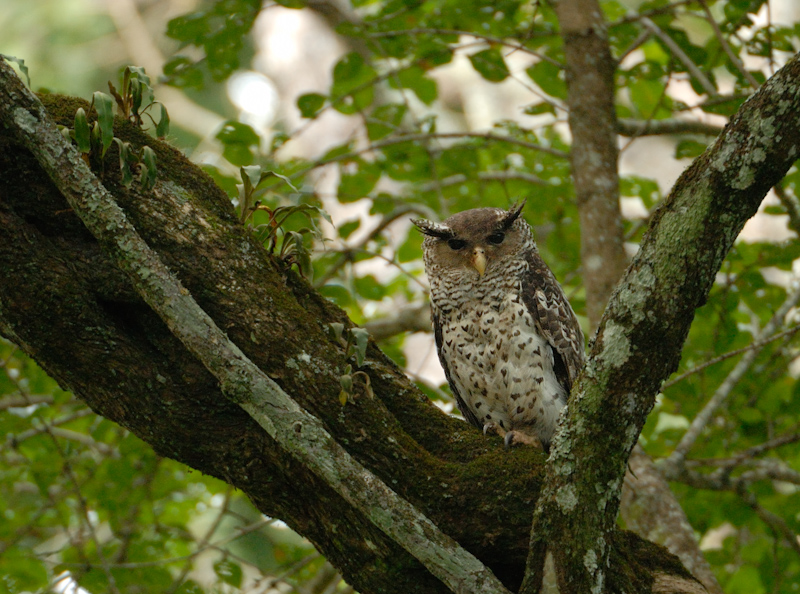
(649, 508)
(629, 127)
(791, 204)
(681, 55)
(499, 176)
(727, 48)
(412, 318)
(756, 344)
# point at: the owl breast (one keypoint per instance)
(501, 367)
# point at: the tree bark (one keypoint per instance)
(593, 151)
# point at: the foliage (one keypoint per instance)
(83, 496)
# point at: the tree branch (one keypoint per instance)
(297, 432)
(646, 323)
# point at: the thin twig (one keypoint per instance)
(201, 545)
(727, 48)
(426, 137)
(681, 55)
(487, 38)
(775, 522)
(484, 176)
(757, 344)
(723, 391)
(792, 205)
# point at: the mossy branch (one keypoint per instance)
(298, 432)
(639, 341)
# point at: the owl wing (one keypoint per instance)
(554, 319)
(462, 406)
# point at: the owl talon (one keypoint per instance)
(517, 437)
(492, 427)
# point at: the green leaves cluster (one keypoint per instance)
(355, 343)
(220, 30)
(93, 140)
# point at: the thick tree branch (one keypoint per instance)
(592, 119)
(297, 432)
(640, 337)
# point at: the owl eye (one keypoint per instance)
(456, 244)
(496, 238)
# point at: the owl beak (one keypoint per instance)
(479, 260)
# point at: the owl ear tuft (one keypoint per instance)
(513, 214)
(431, 229)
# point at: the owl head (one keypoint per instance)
(475, 239)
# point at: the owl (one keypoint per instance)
(506, 335)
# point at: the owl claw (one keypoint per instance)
(493, 427)
(518, 437)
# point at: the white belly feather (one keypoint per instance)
(502, 368)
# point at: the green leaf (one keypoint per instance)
(180, 71)
(83, 134)
(689, 149)
(150, 172)
(21, 63)
(346, 229)
(746, 580)
(352, 89)
(385, 120)
(104, 105)
(337, 331)
(162, 128)
(549, 77)
(490, 64)
(414, 78)
(362, 341)
(237, 138)
(267, 174)
(369, 288)
(21, 572)
(137, 96)
(648, 98)
(310, 104)
(539, 109)
(124, 162)
(357, 185)
(229, 572)
(251, 176)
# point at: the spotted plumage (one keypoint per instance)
(507, 337)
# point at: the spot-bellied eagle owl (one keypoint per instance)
(507, 337)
